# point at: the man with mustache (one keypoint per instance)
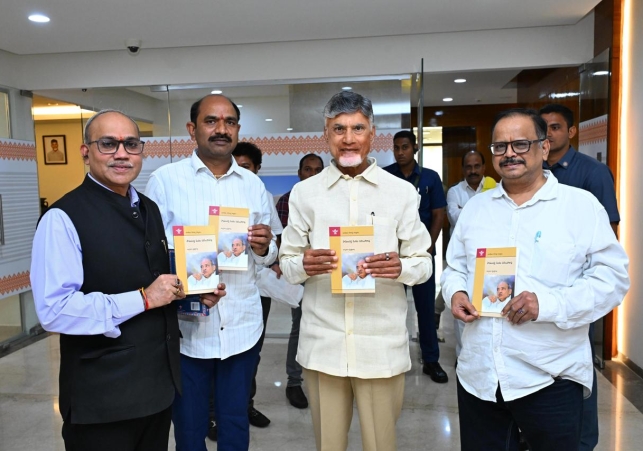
(475, 182)
(354, 346)
(223, 346)
(531, 369)
(582, 171)
(432, 202)
(100, 278)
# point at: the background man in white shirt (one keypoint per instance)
(354, 346)
(224, 345)
(531, 369)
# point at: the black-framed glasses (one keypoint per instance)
(518, 146)
(110, 146)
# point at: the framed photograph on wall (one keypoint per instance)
(55, 148)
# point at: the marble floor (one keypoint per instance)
(29, 418)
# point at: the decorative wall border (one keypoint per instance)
(11, 149)
(14, 282)
(593, 131)
(277, 144)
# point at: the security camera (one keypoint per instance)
(133, 46)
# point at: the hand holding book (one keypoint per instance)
(462, 309)
(386, 265)
(212, 299)
(319, 261)
(522, 308)
(259, 236)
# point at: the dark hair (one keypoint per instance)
(307, 156)
(565, 112)
(54, 141)
(539, 123)
(406, 134)
(348, 102)
(247, 149)
(472, 152)
(196, 106)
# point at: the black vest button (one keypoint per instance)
(135, 214)
(156, 273)
(168, 337)
(147, 244)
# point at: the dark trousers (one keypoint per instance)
(150, 433)
(589, 433)
(266, 303)
(424, 298)
(549, 419)
(232, 379)
(293, 368)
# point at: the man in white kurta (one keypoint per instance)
(354, 346)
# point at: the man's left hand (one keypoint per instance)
(387, 265)
(275, 267)
(212, 299)
(522, 308)
(259, 237)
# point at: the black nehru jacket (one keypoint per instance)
(124, 248)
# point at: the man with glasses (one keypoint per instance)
(99, 275)
(354, 346)
(582, 171)
(223, 346)
(532, 368)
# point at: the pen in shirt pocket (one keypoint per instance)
(537, 237)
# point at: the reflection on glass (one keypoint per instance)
(5, 128)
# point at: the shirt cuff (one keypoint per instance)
(127, 305)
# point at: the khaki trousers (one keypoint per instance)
(379, 404)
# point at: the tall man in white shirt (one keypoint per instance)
(225, 344)
(354, 346)
(531, 369)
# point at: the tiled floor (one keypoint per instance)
(29, 419)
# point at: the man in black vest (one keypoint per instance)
(100, 278)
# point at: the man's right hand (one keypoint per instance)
(462, 309)
(197, 275)
(319, 261)
(165, 289)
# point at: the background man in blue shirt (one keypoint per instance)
(582, 171)
(432, 211)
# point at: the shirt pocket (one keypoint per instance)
(552, 262)
(385, 234)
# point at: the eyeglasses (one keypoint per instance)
(110, 146)
(340, 130)
(519, 146)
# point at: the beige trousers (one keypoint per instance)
(379, 404)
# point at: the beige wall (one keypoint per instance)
(55, 180)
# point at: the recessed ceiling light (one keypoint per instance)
(217, 91)
(239, 106)
(447, 99)
(460, 80)
(289, 129)
(38, 18)
(601, 72)
(347, 88)
(439, 113)
(268, 120)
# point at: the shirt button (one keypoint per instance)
(221, 327)
(349, 304)
(135, 214)
(349, 331)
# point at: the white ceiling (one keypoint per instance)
(85, 25)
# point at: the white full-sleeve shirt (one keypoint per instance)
(568, 256)
(356, 335)
(184, 191)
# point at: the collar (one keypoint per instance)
(131, 192)
(565, 161)
(198, 165)
(369, 174)
(548, 191)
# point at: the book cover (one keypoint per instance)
(352, 245)
(190, 305)
(231, 226)
(494, 279)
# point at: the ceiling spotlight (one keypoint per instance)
(439, 113)
(239, 106)
(39, 18)
(447, 99)
(460, 80)
(268, 120)
(289, 129)
(601, 72)
(217, 91)
(347, 88)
